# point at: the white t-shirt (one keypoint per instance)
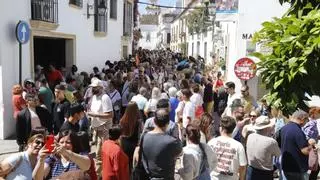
(179, 109)
(35, 121)
(189, 110)
(196, 99)
(231, 156)
(100, 104)
(231, 98)
(151, 105)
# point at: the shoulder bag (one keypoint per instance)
(139, 172)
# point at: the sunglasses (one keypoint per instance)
(37, 142)
(252, 116)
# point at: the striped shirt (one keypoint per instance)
(57, 168)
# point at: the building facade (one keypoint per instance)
(63, 33)
(229, 36)
(164, 27)
(148, 25)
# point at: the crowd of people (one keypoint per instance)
(157, 115)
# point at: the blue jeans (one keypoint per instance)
(254, 173)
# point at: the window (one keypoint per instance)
(113, 9)
(44, 10)
(192, 49)
(128, 18)
(205, 51)
(168, 38)
(125, 51)
(100, 22)
(78, 3)
(198, 48)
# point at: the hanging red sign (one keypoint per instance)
(245, 69)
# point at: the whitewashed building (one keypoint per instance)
(235, 23)
(64, 32)
(164, 28)
(148, 25)
(234, 39)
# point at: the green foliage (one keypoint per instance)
(196, 21)
(301, 7)
(222, 63)
(293, 66)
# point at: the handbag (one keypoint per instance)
(313, 160)
(139, 172)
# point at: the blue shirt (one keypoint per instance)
(292, 141)
(174, 102)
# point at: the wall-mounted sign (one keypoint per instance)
(245, 69)
(227, 6)
(246, 36)
(22, 32)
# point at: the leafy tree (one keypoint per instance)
(197, 20)
(292, 68)
(301, 7)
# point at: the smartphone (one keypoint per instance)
(49, 143)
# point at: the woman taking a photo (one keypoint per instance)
(65, 157)
(20, 166)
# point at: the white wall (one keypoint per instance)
(10, 14)
(252, 14)
(90, 50)
(145, 29)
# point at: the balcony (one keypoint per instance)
(44, 14)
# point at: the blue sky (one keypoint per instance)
(160, 2)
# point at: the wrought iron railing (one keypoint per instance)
(44, 10)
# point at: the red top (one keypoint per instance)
(17, 102)
(115, 163)
(219, 83)
(54, 76)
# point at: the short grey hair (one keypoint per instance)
(143, 91)
(156, 93)
(172, 92)
(299, 114)
(167, 86)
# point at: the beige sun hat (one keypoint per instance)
(262, 122)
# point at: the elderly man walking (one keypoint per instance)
(260, 150)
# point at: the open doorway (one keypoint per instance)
(49, 50)
(53, 50)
